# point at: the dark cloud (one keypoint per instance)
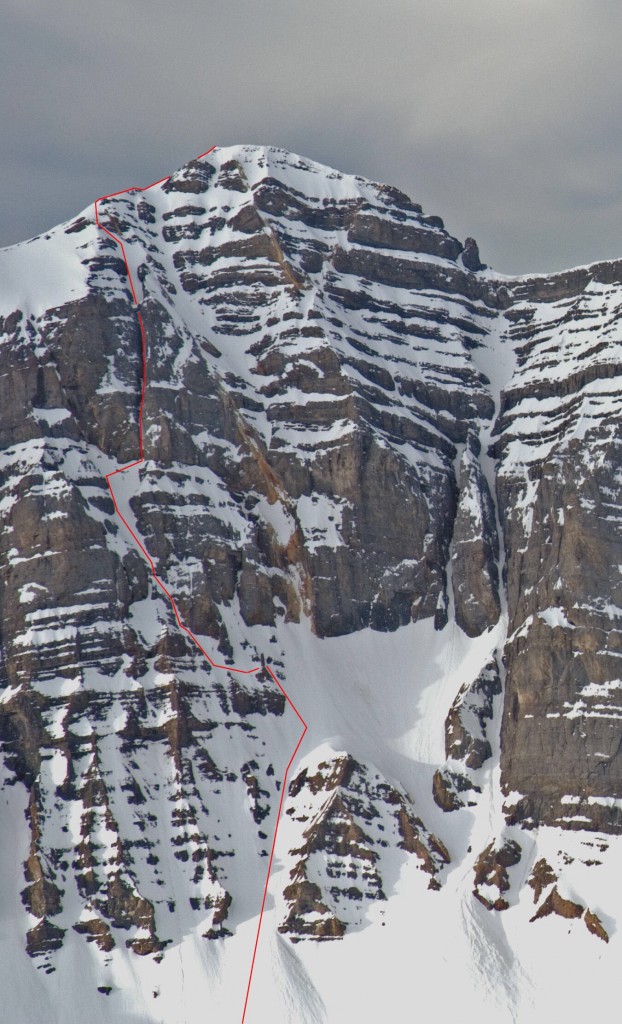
(501, 115)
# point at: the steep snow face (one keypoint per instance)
(368, 460)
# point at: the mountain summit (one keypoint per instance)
(375, 472)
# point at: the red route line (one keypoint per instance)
(163, 588)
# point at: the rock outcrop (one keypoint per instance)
(467, 741)
(350, 821)
(491, 874)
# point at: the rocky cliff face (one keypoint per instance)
(354, 433)
(558, 486)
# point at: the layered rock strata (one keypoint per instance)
(350, 424)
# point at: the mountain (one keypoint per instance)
(278, 451)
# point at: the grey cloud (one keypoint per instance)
(500, 116)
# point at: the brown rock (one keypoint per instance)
(304, 898)
(490, 870)
(466, 724)
(542, 875)
(96, 931)
(556, 904)
(43, 938)
(448, 787)
(594, 925)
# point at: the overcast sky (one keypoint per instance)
(502, 116)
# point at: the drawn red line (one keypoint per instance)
(161, 585)
(278, 818)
